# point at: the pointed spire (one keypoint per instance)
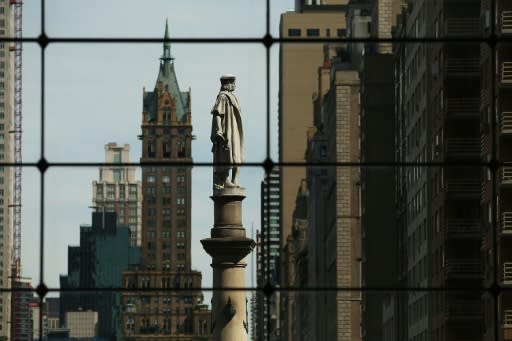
(167, 45)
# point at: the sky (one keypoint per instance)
(93, 96)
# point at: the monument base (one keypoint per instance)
(228, 246)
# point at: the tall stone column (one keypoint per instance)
(228, 246)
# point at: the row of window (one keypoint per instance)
(164, 245)
(111, 191)
(165, 267)
(165, 234)
(315, 32)
(166, 149)
(165, 190)
(180, 211)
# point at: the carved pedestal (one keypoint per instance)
(228, 247)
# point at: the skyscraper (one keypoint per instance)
(267, 253)
(104, 253)
(6, 173)
(166, 217)
(118, 191)
(21, 318)
(497, 243)
(298, 82)
(298, 65)
(438, 106)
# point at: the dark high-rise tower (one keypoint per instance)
(165, 264)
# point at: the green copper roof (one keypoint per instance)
(167, 76)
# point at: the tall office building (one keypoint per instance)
(298, 65)
(6, 173)
(98, 262)
(165, 264)
(325, 245)
(501, 111)
(117, 190)
(267, 251)
(438, 90)
(379, 238)
(298, 83)
(21, 329)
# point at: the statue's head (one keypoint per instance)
(227, 82)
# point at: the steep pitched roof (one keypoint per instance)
(167, 76)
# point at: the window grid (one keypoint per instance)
(268, 164)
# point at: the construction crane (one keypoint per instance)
(16, 49)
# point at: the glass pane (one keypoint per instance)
(202, 18)
(31, 106)
(106, 98)
(31, 17)
(312, 19)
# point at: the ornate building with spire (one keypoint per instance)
(161, 307)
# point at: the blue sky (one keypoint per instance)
(94, 94)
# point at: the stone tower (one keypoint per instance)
(165, 310)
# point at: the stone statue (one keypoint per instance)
(227, 135)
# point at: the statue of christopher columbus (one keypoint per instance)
(227, 135)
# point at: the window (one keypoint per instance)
(111, 192)
(313, 32)
(294, 32)
(150, 179)
(181, 148)
(180, 201)
(133, 192)
(166, 149)
(151, 149)
(99, 191)
(117, 157)
(166, 179)
(122, 190)
(117, 174)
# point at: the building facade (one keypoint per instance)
(298, 64)
(104, 253)
(267, 253)
(117, 190)
(21, 321)
(6, 173)
(496, 202)
(82, 325)
(163, 313)
(438, 90)
(298, 77)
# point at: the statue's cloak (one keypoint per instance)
(228, 108)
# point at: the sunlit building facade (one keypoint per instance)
(118, 190)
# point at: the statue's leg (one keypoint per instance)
(220, 177)
(234, 175)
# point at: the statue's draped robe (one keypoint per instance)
(228, 109)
